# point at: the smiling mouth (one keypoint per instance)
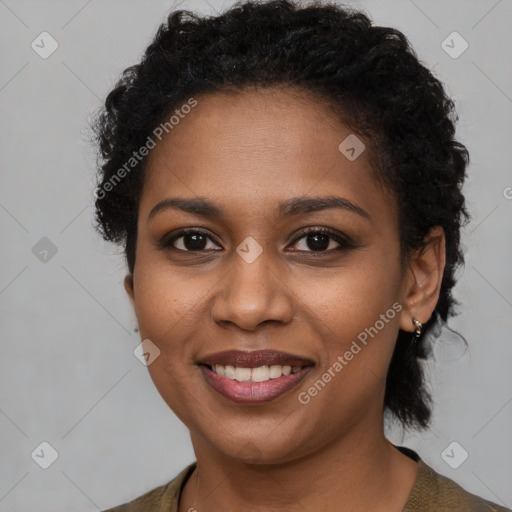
(256, 376)
(259, 374)
(253, 392)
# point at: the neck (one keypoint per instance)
(354, 473)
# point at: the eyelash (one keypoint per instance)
(344, 241)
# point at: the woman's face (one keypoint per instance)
(256, 281)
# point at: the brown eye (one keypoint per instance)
(191, 240)
(323, 240)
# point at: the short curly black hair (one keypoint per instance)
(370, 77)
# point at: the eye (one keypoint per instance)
(316, 240)
(323, 240)
(189, 240)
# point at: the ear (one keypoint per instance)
(423, 280)
(128, 286)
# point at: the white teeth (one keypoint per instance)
(243, 374)
(229, 372)
(275, 371)
(261, 374)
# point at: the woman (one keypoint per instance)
(287, 189)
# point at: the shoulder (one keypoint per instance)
(435, 492)
(163, 498)
(149, 501)
(454, 495)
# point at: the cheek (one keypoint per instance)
(166, 309)
(349, 300)
(164, 299)
(356, 314)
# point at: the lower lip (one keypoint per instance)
(253, 392)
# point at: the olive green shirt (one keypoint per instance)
(431, 492)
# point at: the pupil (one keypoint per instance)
(319, 246)
(197, 243)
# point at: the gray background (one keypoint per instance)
(68, 374)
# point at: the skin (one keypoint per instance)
(246, 152)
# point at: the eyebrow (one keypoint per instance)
(288, 208)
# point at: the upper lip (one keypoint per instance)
(254, 359)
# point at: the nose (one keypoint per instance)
(252, 294)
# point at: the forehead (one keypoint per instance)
(255, 148)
